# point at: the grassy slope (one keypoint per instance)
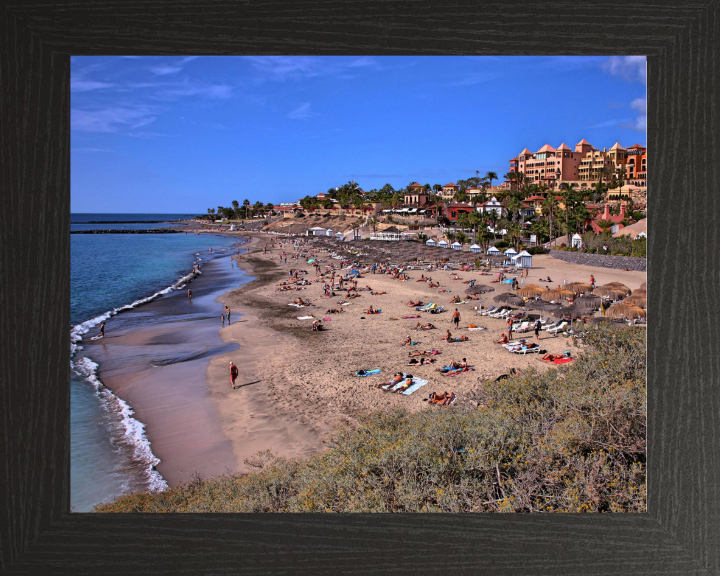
(570, 440)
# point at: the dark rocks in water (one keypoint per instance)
(151, 231)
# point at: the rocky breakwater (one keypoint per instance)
(151, 231)
(602, 260)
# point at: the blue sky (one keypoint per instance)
(183, 134)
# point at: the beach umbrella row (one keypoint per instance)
(643, 286)
(570, 312)
(611, 292)
(591, 302)
(619, 286)
(542, 305)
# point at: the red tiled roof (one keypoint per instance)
(451, 185)
(533, 198)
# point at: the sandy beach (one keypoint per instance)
(296, 385)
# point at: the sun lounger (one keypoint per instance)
(498, 313)
(535, 350)
(551, 325)
(557, 328)
(489, 311)
(524, 327)
(478, 328)
(503, 315)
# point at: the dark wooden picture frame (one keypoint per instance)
(680, 532)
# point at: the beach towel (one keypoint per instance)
(417, 383)
(477, 328)
(296, 305)
(304, 317)
(563, 360)
(326, 319)
(367, 372)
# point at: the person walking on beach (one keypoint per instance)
(592, 281)
(222, 316)
(456, 319)
(536, 327)
(102, 330)
(510, 324)
(227, 311)
(233, 375)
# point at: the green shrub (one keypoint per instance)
(500, 244)
(571, 439)
(537, 250)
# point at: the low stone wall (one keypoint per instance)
(602, 260)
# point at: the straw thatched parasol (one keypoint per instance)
(557, 294)
(579, 287)
(541, 305)
(640, 292)
(623, 310)
(610, 292)
(569, 311)
(529, 291)
(619, 285)
(479, 289)
(591, 302)
(636, 300)
(509, 298)
(643, 286)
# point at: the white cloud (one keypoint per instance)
(92, 149)
(630, 68)
(81, 85)
(282, 68)
(114, 119)
(639, 105)
(302, 112)
(167, 69)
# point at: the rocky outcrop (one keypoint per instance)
(601, 260)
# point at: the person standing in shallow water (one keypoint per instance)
(189, 294)
(227, 312)
(102, 330)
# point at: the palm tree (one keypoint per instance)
(494, 218)
(246, 204)
(236, 207)
(567, 191)
(549, 206)
(462, 238)
(512, 178)
(604, 225)
(491, 176)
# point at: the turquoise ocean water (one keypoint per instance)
(110, 273)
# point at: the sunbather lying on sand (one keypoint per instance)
(412, 303)
(395, 380)
(443, 290)
(455, 300)
(462, 364)
(424, 353)
(378, 293)
(334, 311)
(447, 336)
(408, 382)
(444, 398)
(427, 326)
(437, 285)
(371, 311)
(421, 362)
(551, 357)
(462, 338)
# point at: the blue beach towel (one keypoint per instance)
(367, 372)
